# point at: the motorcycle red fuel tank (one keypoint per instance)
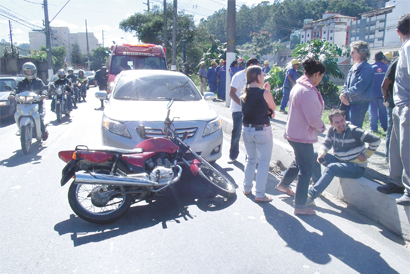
(158, 145)
(137, 159)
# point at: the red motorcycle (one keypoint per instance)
(108, 181)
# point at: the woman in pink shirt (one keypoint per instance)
(303, 126)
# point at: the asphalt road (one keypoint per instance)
(184, 231)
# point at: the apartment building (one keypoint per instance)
(61, 36)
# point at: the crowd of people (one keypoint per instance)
(382, 88)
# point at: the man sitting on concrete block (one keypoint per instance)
(350, 154)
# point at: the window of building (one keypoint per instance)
(379, 39)
(331, 38)
(381, 30)
(382, 21)
(308, 35)
(331, 31)
(372, 24)
(324, 32)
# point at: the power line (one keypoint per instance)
(60, 10)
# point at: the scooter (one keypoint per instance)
(28, 118)
(106, 182)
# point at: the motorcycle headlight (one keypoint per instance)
(22, 98)
(29, 99)
(212, 126)
(59, 91)
(116, 127)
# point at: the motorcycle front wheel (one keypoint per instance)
(215, 180)
(58, 112)
(100, 204)
(25, 138)
(75, 101)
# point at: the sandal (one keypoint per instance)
(304, 211)
(285, 189)
(263, 199)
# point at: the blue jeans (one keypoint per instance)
(236, 134)
(377, 111)
(285, 98)
(335, 167)
(304, 158)
(258, 144)
(357, 112)
(389, 128)
(221, 90)
(293, 170)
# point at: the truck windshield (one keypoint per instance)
(120, 63)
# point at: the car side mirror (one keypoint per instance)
(209, 95)
(101, 94)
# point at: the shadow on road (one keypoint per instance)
(173, 206)
(6, 122)
(19, 158)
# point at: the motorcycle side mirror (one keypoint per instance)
(141, 130)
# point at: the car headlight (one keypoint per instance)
(212, 127)
(4, 103)
(116, 127)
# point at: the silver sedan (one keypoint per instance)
(136, 110)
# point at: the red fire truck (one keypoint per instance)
(139, 56)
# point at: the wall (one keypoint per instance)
(12, 66)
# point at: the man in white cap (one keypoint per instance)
(290, 81)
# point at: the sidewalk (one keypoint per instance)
(360, 194)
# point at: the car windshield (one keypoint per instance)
(89, 73)
(155, 88)
(7, 84)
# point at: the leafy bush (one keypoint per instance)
(277, 77)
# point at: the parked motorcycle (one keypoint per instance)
(108, 181)
(60, 101)
(28, 118)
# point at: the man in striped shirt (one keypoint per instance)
(350, 154)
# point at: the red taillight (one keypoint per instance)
(165, 50)
(66, 155)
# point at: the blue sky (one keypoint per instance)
(101, 15)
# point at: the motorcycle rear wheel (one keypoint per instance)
(25, 137)
(215, 180)
(94, 203)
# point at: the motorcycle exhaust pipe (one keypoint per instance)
(143, 180)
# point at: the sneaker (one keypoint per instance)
(310, 201)
(45, 136)
(283, 111)
(403, 200)
(18, 133)
(231, 160)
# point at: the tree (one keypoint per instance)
(75, 54)
(328, 54)
(149, 29)
(58, 56)
(99, 56)
(261, 44)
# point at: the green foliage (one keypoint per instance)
(39, 55)
(328, 54)
(215, 52)
(261, 43)
(99, 56)
(276, 82)
(149, 29)
(281, 17)
(58, 55)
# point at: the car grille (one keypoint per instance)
(156, 132)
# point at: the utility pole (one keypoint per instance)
(230, 47)
(88, 49)
(48, 41)
(102, 32)
(165, 23)
(11, 36)
(174, 39)
(147, 4)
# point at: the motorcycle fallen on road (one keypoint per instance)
(28, 118)
(108, 181)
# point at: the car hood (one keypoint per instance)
(4, 95)
(121, 110)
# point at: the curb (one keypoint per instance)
(360, 193)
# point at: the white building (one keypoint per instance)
(61, 36)
(333, 27)
(378, 27)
